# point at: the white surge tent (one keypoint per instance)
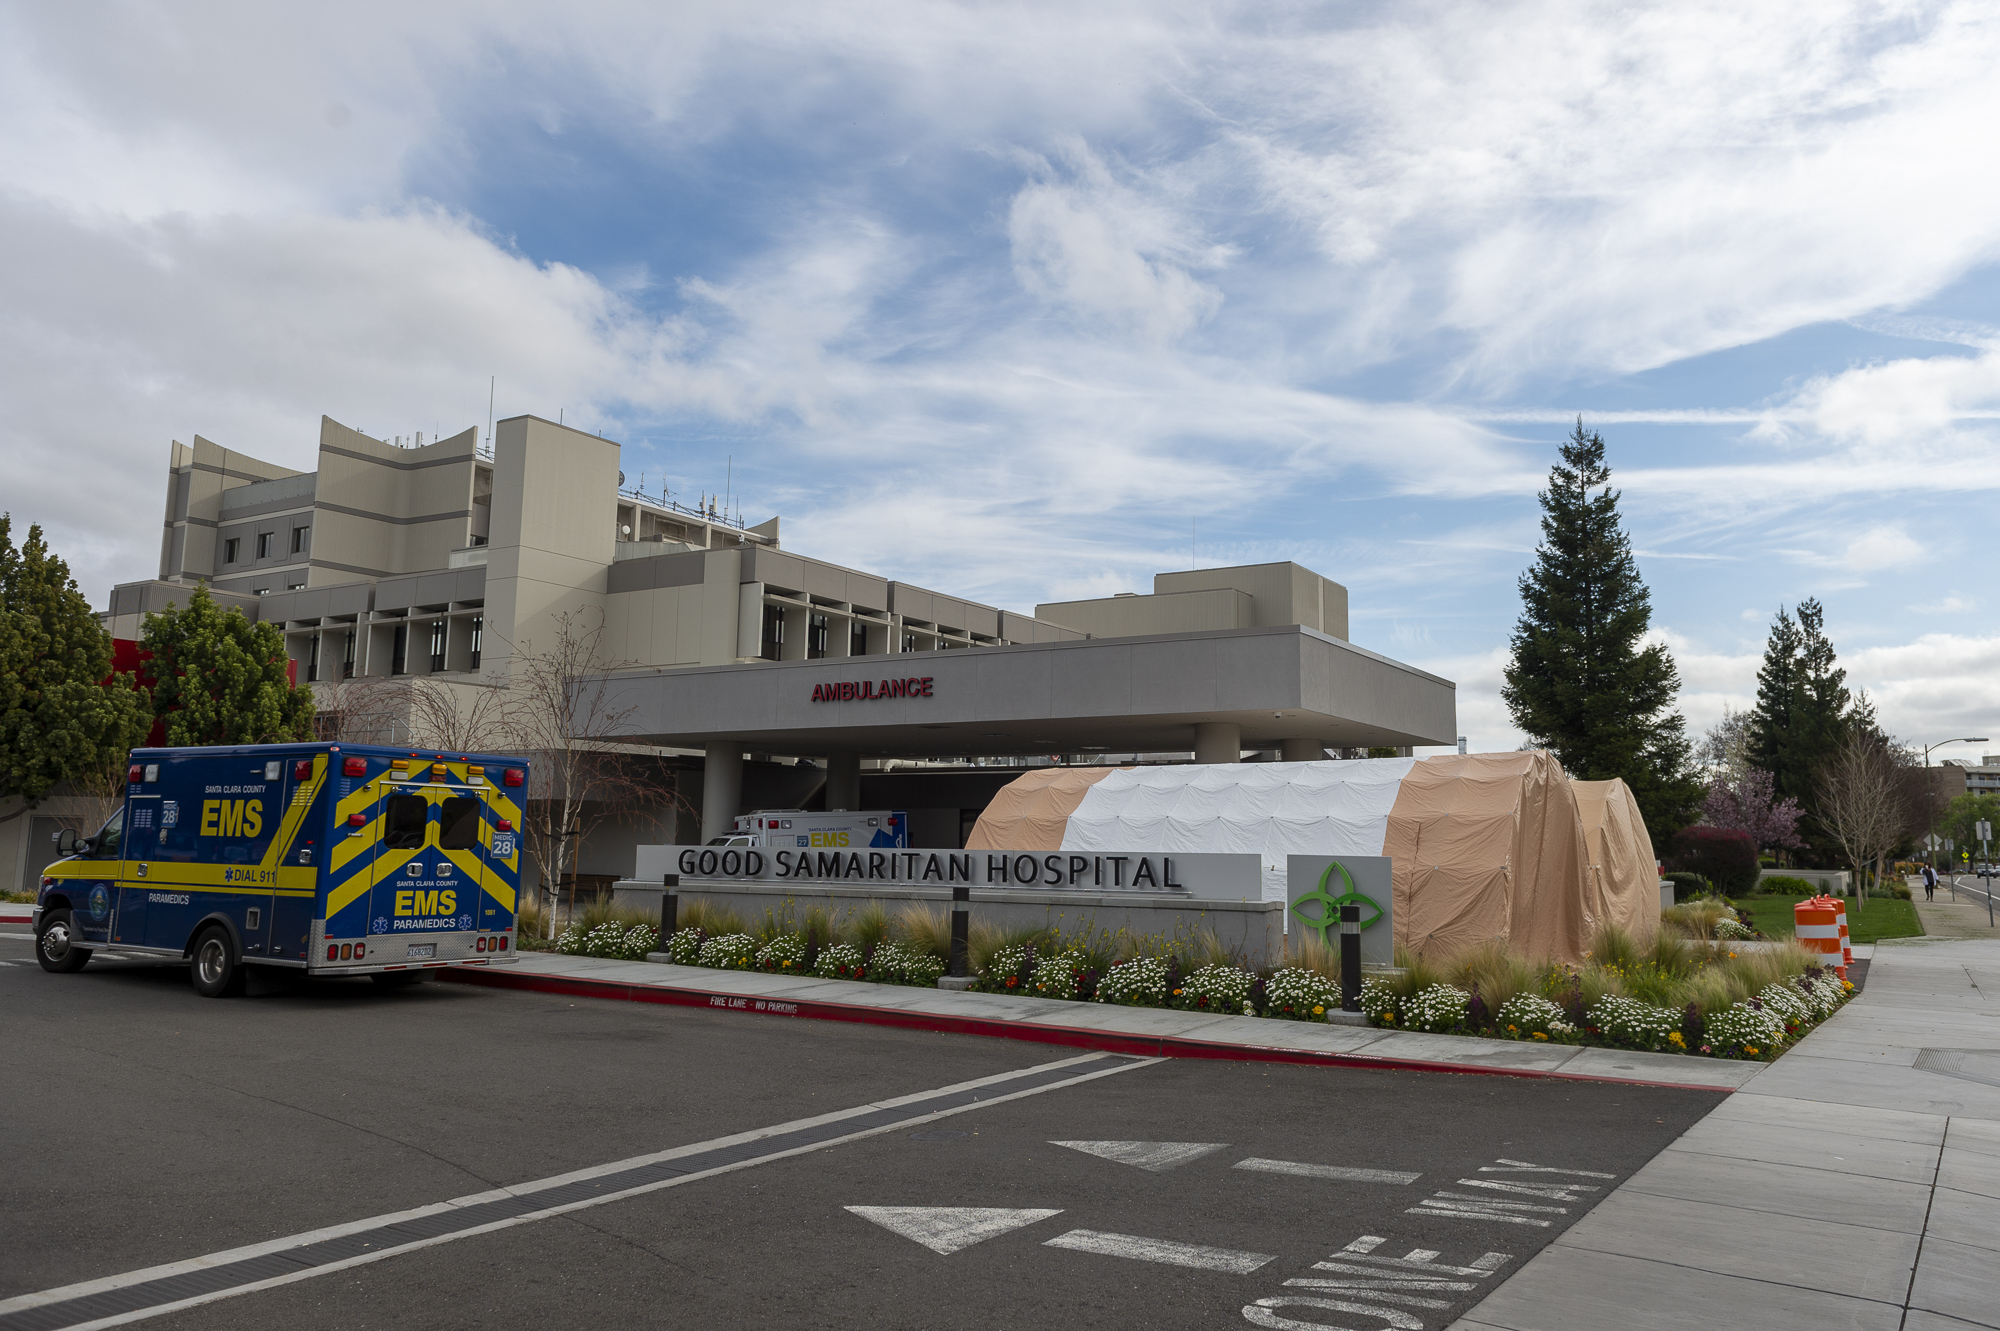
(1482, 846)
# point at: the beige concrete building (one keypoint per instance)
(445, 561)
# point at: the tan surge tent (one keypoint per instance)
(1622, 866)
(1482, 846)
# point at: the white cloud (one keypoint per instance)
(1084, 240)
(1882, 546)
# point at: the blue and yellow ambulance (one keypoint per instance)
(333, 859)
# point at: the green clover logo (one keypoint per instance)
(1328, 919)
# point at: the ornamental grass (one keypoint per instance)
(1683, 992)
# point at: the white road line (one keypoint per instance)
(1154, 1156)
(1161, 1250)
(946, 1229)
(28, 938)
(42, 1298)
(1523, 1167)
(1343, 1173)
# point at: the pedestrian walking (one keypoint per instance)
(1930, 883)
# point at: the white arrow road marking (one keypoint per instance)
(1156, 1156)
(1523, 1167)
(1161, 1250)
(1260, 1314)
(1552, 1190)
(1465, 1206)
(1340, 1172)
(1386, 1281)
(946, 1229)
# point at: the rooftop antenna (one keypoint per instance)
(728, 483)
(559, 415)
(491, 384)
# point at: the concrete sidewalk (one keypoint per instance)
(1095, 1025)
(1853, 1183)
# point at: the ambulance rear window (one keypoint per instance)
(458, 824)
(403, 824)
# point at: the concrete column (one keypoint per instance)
(1301, 751)
(843, 781)
(721, 788)
(1218, 742)
(749, 620)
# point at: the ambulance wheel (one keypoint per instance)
(216, 970)
(397, 979)
(56, 947)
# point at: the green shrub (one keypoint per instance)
(839, 961)
(1785, 885)
(785, 955)
(1216, 989)
(1635, 1024)
(1298, 994)
(1532, 1017)
(728, 952)
(684, 947)
(1688, 886)
(1439, 1008)
(1140, 982)
(894, 963)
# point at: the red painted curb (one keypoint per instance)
(1169, 1046)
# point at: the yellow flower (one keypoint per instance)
(1318, 1008)
(1675, 1038)
(1541, 1035)
(1749, 1049)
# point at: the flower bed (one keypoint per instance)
(1678, 996)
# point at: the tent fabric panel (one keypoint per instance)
(1032, 811)
(1625, 875)
(1331, 807)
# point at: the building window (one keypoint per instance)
(264, 539)
(399, 652)
(909, 642)
(299, 539)
(478, 541)
(774, 632)
(478, 627)
(857, 639)
(437, 644)
(816, 636)
(260, 591)
(295, 586)
(312, 661)
(229, 549)
(347, 657)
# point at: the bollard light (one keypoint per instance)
(1350, 958)
(961, 917)
(670, 907)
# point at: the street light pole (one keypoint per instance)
(1972, 739)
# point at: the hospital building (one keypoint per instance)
(763, 677)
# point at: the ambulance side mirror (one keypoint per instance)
(67, 842)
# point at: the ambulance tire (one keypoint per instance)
(217, 971)
(56, 948)
(397, 979)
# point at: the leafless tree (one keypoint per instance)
(1866, 799)
(562, 716)
(95, 794)
(465, 718)
(364, 709)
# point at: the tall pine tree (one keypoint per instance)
(1804, 710)
(1580, 684)
(63, 714)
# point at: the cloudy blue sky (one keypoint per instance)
(1007, 299)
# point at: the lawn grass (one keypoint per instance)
(1881, 917)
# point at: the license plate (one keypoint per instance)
(423, 949)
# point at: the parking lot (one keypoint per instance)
(624, 1164)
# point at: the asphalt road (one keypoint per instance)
(146, 1126)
